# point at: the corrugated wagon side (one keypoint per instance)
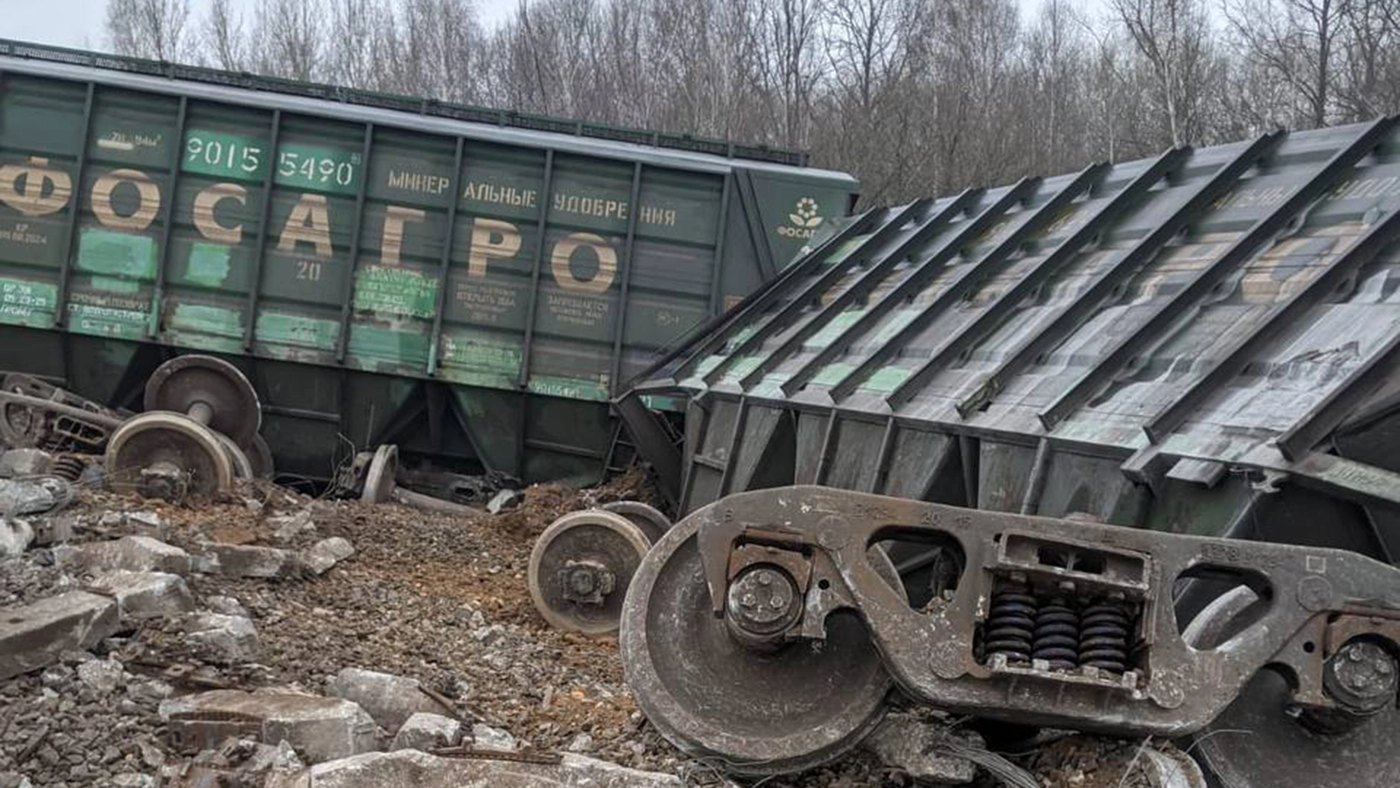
(472, 291)
(1200, 342)
(1202, 346)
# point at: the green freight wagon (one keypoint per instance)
(470, 283)
(1204, 343)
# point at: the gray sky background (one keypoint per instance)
(78, 23)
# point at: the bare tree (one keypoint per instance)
(1295, 41)
(156, 29)
(222, 35)
(1173, 37)
(290, 36)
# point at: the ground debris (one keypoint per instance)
(436, 602)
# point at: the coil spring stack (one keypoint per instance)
(1057, 628)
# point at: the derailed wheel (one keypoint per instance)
(209, 390)
(1256, 743)
(645, 516)
(260, 455)
(382, 475)
(580, 569)
(168, 455)
(760, 712)
(242, 466)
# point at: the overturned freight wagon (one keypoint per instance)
(1204, 343)
(469, 283)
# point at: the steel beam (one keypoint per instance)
(542, 215)
(779, 320)
(70, 237)
(445, 262)
(995, 314)
(974, 274)
(930, 227)
(166, 228)
(264, 216)
(1179, 306)
(625, 273)
(1085, 305)
(1344, 266)
(347, 293)
(949, 247)
(717, 269)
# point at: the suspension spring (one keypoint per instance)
(1011, 623)
(1103, 636)
(68, 466)
(1057, 635)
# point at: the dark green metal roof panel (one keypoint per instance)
(1208, 304)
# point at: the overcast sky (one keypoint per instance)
(78, 23)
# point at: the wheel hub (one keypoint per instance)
(1362, 677)
(580, 569)
(586, 582)
(763, 601)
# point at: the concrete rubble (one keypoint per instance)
(15, 537)
(389, 699)
(426, 731)
(921, 748)
(414, 769)
(485, 737)
(132, 553)
(144, 595)
(323, 555)
(24, 462)
(319, 728)
(33, 496)
(33, 636)
(221, 639)
(236, 560)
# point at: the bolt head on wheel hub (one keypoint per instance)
(586, 582)
(762, 601)
(1362, 677)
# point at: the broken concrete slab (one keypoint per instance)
(34, 495)
(15, 537)
(226, 605)
(485, 737)
(144, 523)
(236, 560)
(33, 636)
(288, 527)
(924, 749)
(407, 768)
(323, 555)
(322, 729)
(18, 463)
(103, 675)
(144, 595)
(227, 640)
(389, 699)
(132, 553)
(50, 531)
(425, 731)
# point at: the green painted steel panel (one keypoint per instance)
(254, 225)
